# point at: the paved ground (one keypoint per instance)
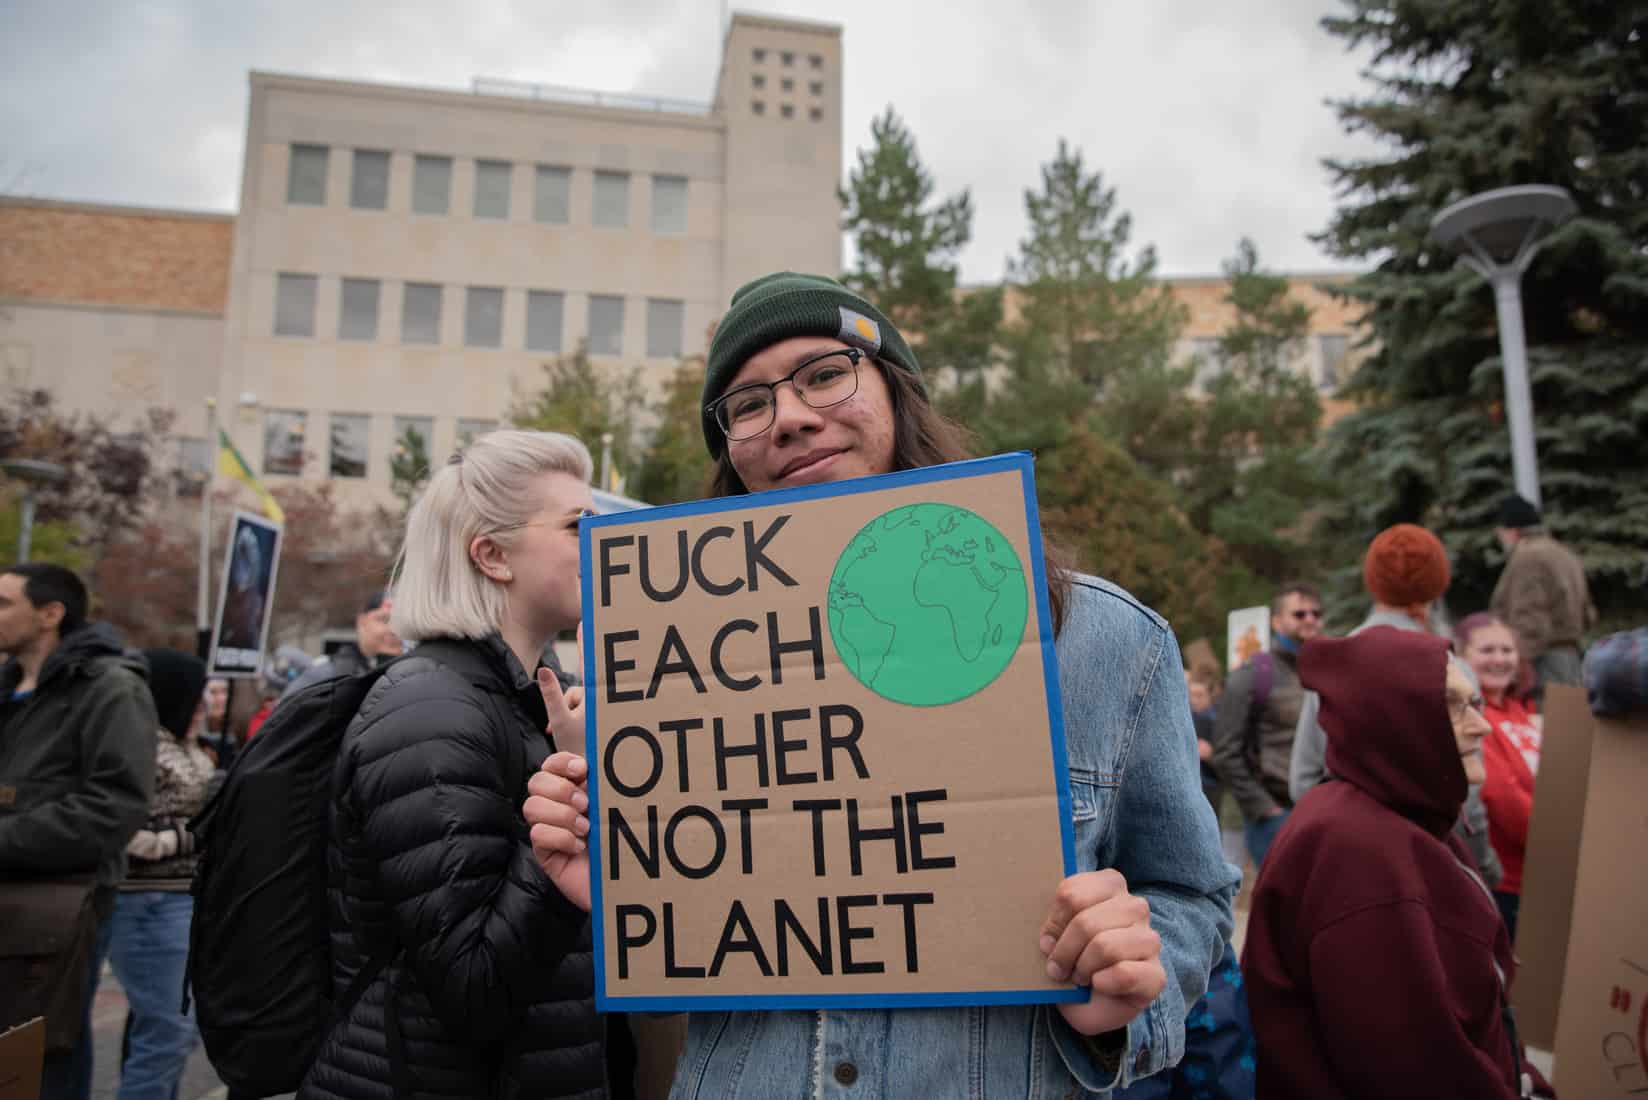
(108, 1022)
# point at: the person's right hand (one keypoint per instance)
(557, 801)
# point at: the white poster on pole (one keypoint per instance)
(1247, 632)
(246, 597)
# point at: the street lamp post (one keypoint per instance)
(1497, 234)
(32, 472)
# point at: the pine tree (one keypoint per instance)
(587, 401)
(1466, 98)
(1247, 477)
(676, 466)
(907, 244)
(1095, 308)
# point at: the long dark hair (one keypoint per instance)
(923, 436)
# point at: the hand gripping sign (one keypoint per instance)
(827, 762)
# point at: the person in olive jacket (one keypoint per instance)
(486, 986)
(77, 756)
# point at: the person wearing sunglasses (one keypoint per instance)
(1253, 733)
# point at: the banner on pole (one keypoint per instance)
(246, 596)
(826, 748)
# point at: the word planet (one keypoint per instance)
(927, 604)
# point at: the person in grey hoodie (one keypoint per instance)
(1406, 572)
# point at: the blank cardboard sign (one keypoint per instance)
(827, 763)
(1602, 1025)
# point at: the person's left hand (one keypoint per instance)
(1098, 935)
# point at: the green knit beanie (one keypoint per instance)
(778, 307)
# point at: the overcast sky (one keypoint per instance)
(1208, 116)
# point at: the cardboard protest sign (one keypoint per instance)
(1550, 863)
(826, 749)
(246, 596)
(1602, 1024)
(1247, 631)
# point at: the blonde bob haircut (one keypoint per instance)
(488, 488)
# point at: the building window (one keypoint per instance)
(816, 60)
(484, 317)
(283, 431)
(369, 185)
(1333, 346)
(816, 114)
(760, 55)
(758, 81)
(471, 430)
(544, 310)
(1209, 363)
(420, 314)
(552, 195)
(348, 435)
(492, 189)
(413, 435)
(816, 87)
(787, 84)
(295, 305)
(194, 466)
(758, 107)
(606, 325)
(787, 111)
(664, 324)
(787, 57)
(431, 185)
(612, 200)
(306, 176)
(669, 204)
(358, 310)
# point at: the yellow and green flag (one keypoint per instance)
(231, 465)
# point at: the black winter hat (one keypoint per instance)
(176, 680)
(786, 304)
(1516, 511)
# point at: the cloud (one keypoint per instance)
(1207, 117)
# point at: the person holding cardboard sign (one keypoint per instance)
(808, 384)
(461, 971)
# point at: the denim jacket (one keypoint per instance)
(1138, 807)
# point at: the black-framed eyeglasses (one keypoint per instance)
(825, 379)
(1308, 613)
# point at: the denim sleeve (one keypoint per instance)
(1164, 840)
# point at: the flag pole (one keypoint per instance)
(203, 611)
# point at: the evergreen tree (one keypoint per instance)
(1466, 98)
(1094, 309)
(907, 244)
(676, 466)
(409, 469)
(587, 401)
(1248, 479)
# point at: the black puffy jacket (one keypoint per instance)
(490, 972)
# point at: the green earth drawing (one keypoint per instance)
(928, 604)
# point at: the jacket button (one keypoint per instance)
(845, 1073)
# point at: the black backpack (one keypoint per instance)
(260, 962)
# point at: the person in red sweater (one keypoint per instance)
(1511, 749)
(1376, 963)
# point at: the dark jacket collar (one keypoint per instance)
(490, 665)
(73, 654)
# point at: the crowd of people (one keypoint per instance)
(1385, 782)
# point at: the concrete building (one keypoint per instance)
(115, 310)
(408, 259)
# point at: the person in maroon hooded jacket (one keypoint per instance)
(1376, 962)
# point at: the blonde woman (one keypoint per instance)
(478, 974)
